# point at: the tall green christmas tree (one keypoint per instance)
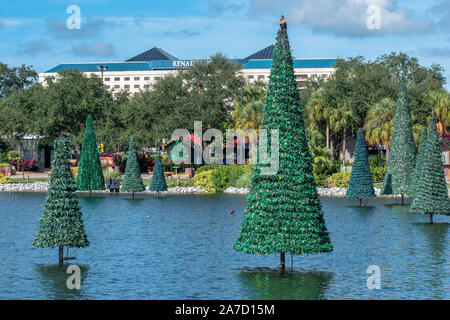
(360, 184)
(132, 181)
(402, 158)
(283, 212)
(431, 196)
(416, 177)
(158, 180)
(90, 174)
(61, 223)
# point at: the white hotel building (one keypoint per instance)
(141, 71)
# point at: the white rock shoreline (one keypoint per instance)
(43, 186)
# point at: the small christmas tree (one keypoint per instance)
(402, 158)
(61, 223)
(416, 177)
(158, 180)
(360, 184)
(431, 196)
(132, 181)
(283, 212)
(90, 174)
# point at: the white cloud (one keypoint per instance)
(343, 17)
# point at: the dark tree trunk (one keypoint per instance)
(388, 149)
(403, 200)
(61, 255)
(282, 265)
(431, 218)
(328, 134)
(132, 195)
(344, 147)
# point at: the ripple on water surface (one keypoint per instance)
(180, 247)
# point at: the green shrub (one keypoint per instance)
(204, 180)
(225, 176)
(340, 179)
(4, 179)
(206, 167)
(377, 173)
(13, 155)
(109, 173)
(244, 180)
(321, 180)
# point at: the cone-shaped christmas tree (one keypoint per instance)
(158, 180)
(283, 212)
(431, 196)
(402, 158)
(61, 223)
(132, 181)
(90, 174)
(360, 184)
(416, 177)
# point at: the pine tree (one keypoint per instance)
(61, 223)
(158, 180)
(360, 184)
(402, 158)
(90, 174)
(283, 212)
(416, 177)
(431, 196)
(132, 181)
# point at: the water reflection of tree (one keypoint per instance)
(53, 279)
(294, 285)
(435, 235)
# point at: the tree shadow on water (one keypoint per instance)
(265, 283)
(53, 279)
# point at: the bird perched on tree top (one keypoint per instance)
(283, 24)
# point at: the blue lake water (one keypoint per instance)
(184, 251)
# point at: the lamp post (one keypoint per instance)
(102, 68)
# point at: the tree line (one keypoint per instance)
(360, 93)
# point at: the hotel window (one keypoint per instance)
(157, 78)
(117, 86)
(137, 78)
(136, 86)
(313, 76)
(107, 79)
(126, 79)
(146, 78)
(301, 77)
(127, 86)
(261, 77)
(251, 76)
(323, 75)
(117, 79)
(146, 86)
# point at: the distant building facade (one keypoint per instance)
(142, 71)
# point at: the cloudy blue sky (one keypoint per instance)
(34, 32)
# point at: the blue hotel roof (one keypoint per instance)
(158, 59)
(168, 65)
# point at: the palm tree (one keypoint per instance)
(340, 120)
(319, 112)
(251, 116)
(440, 102)
(380, 124)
